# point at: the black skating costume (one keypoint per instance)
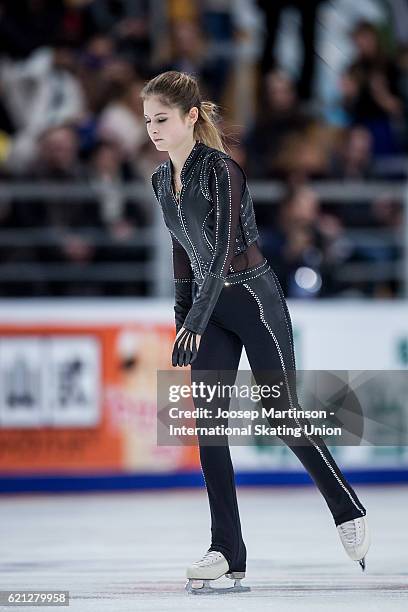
(226, 291)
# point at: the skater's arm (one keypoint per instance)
(226, 185)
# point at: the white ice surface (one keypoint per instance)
(128, 551)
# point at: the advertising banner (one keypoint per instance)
(78, 391)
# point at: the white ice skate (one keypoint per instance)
(211, 566)
(355, 537)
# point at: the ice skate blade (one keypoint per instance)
(206, 589)
(362, 563)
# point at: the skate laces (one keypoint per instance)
(208, 557)
(349, 532)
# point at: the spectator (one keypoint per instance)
(107, 172)
(96, 56)
(354, 159)
(127, 22)
(388, 216)
(370, 93)
(188, 52)
(57, 155)
(279, 118)
(47, 79)
(308, 12)
(220, 31)
(121, 217)
(303, 245)
(70, 223)
(122, 122)
(381, 248)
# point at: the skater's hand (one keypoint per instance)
(185, 347)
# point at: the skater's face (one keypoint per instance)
(167, 126)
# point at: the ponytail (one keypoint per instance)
(205, 128)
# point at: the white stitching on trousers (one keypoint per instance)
(244, 280)
(252, 292)
(286, 321)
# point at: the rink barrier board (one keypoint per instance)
(138, 482)
(112, 459)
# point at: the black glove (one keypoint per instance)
(185, 349)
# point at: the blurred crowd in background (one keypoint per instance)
(312, 90)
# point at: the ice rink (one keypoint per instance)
(129, 551)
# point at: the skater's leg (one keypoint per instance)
(268, 342)
(217, 360)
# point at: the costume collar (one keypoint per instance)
(188, 163)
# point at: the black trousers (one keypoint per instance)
(252, 312)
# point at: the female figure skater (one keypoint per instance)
(226, 297)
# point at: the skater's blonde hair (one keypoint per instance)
(181, 90)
